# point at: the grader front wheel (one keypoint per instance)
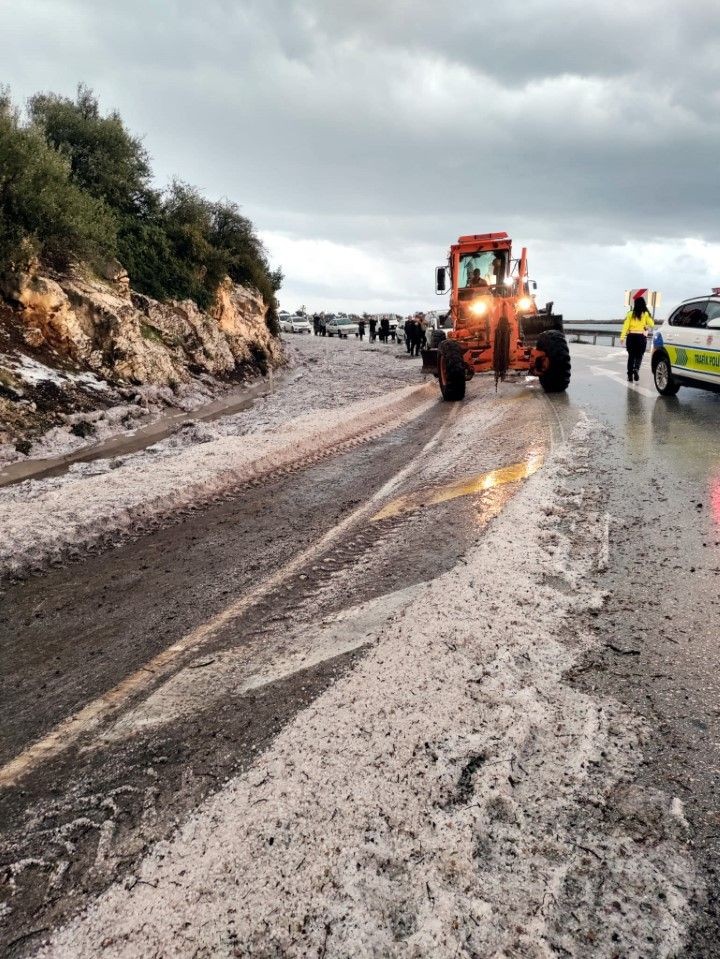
(451, 371)
(555, 378)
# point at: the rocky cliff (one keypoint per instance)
(102, 324)
(96, 330)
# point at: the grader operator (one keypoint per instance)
(496, 325)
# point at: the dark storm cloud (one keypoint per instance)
(520, 40)
(394, 123)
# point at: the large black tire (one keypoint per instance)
(665, 382)
(556, 377)
(436, 338)
(451, 371)
(501, 349)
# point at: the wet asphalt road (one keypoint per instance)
(85, 818)
(661, 472)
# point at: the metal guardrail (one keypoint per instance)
(582, 334)
(578, 332)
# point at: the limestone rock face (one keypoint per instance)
(46, 313)
(99, 322)
(241, 315)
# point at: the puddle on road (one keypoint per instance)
(138, 439)
(466, 487)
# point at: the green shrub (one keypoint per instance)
(42, 212)
(145, 251)
(188, 222)
(75, 183)
(105, 159)
(247, 261)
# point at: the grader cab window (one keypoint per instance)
(482, 269)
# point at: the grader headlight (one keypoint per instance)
(479, 308)
(524, 304)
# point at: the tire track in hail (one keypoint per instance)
(66, 733)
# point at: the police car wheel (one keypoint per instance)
(665, 382)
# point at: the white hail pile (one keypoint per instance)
(451, 796)
(345, 391)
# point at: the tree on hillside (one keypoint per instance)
(188, 222)
(75, 183)
(109, 163)
(105, 159)
(42, 212)
(246, 256)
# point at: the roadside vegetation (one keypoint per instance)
(76, 184)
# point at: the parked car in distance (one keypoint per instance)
(438, 320)
(340, 326)
(686, 352)
(295, 324)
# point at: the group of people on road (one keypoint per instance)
(415, 334)
(382, 332)
(414, 330)
(377, 330)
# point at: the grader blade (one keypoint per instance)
(430, 361)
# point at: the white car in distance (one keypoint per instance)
(295, 324)
(341, 326)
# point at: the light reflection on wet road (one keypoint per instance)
(687, 426)
(466, 487)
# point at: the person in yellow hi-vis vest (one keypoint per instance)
(634, 335)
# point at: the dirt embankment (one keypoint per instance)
(79, 350)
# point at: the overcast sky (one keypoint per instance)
(363, 136)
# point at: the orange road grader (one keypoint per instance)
(496, 324)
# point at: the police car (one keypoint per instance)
(686, 352)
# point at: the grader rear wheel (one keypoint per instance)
(451, 371)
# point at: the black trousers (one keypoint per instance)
(635, 344)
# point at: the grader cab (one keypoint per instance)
(496, 326)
